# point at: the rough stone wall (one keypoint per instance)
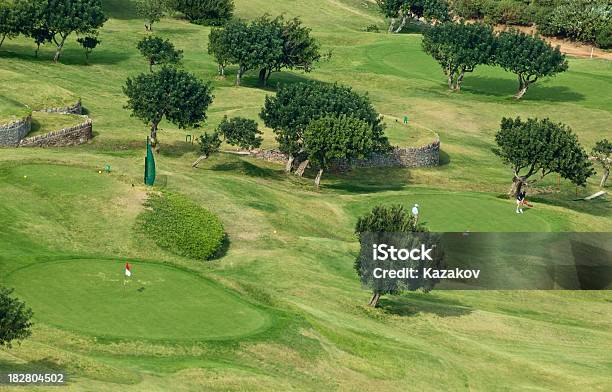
(428, 155)
(72, 136)
(72, 109)
(12, 133)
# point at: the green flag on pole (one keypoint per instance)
(149, 174)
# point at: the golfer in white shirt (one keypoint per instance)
(415, 212)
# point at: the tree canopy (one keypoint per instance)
(459, 48)
(332, 138)
(159, 51)
(151, 11)
(404, 10)
(541, 147)
(175, 94)
(294, 106)
(241, 132)
(15, 318)
(528, 57)
(392, 225)
(64, 17)
(266, 44)
(89, 43)
(206, 12)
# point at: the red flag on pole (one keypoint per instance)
(128, 269)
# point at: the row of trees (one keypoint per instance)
(403, 11)
(47, 21)
(459, 48)
(266, 44)
(206, 12)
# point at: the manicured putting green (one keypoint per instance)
(158, 302)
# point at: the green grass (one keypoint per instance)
(43, 122)
(289, 263)
(157, 302)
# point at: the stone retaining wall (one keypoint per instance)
(72, 136)
(428, 155)
(72, 109)
(12, 133)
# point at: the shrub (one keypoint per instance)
(372, 28)
(582, 20)
(206, 12)
(604, 37)
(241, 132)
(181, 226)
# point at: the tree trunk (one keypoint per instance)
(517, 185)
(200, 159)
(459, 81)
(151, 62)
(58, 51)
(450, 80)
(239, 76)
(37, 50)
(262, 76)
(402, 24)
(301, 168)
(289, 164)
(604, 178)
(221, 70)
(391, 25)
(154, 135)
(523, 86)
(318, 178)
(2, 40)
(374, 300)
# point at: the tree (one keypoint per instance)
(241, 132)
(151, 11)
(41, 36)
(294, 106)
(177, 95)
(528, 57)
(404, 10)
(337, 138)
(459, 48)
(207, 12)
(601, 154)
(64, 17)
(541, 146)
(209, 144)
(8, 21)
(219, 48)
(89, 43)
(159, 51)
(392, 225)
(14, 318)
(299, 49)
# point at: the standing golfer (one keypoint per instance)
(520, 200)
(415, 213)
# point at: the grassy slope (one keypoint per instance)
(291, 248)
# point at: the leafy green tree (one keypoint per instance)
(392, 225)
(41, 36)
(459, 48)
(541, 146)
(530, 58)
(9, 26)
(294, 106)
(601, 154)
(159, 51)
(209, 144)
(405, 10)
(220, 48)
(207, 12)
(241, 132)
(299, 49)
(15, 318)
(64, 17)
(177, 95)
(88, 43)
(151, 11)
(337, 138)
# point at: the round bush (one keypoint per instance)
(206, 12)
(181, 226)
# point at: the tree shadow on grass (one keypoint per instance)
(248, 168)
(414, 303)
(276, 79)
(500, 87)
(597, 207)
(70, 56)
(120, 9)
(44, 365)
(176, 149)
(370, 180)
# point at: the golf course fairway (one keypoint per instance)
(157, 302)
